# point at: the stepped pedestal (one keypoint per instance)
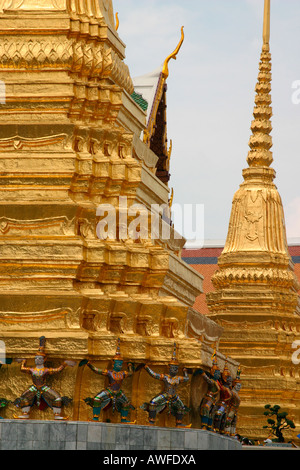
(50, 435)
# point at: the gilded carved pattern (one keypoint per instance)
(87, 228)
(238, 275)
(56, 317)
(99, 9)
(252, 219)
(78, 56)
(35, 54)
(87, 59)
(32, 5)
(202, 328)
(26, 143)
(56, 226)
(120, 73)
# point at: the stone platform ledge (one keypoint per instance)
(82, 435)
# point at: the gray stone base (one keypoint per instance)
(70, 435)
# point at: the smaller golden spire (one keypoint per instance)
(165, 70)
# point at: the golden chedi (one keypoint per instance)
(255, 297)
(69, 143)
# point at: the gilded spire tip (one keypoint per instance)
(267, 22)
(260, 154)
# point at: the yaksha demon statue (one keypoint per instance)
(112, 395)
(209, 401)
(231, 420)
(169, 397)
(222, 406)
(40, 393)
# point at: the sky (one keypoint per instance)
(211, 95)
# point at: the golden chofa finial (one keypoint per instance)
(267, 22)
(165, 70)
(117, 21)
(171, 198)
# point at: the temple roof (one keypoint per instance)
(148, 86)
(150, 93)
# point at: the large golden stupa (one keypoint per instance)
(70, 141)
(255, 298)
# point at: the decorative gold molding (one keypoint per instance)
(25, 228)
(25, 143)
(33, 5)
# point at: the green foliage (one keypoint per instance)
(280, 423)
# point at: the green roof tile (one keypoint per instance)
(140, 100)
